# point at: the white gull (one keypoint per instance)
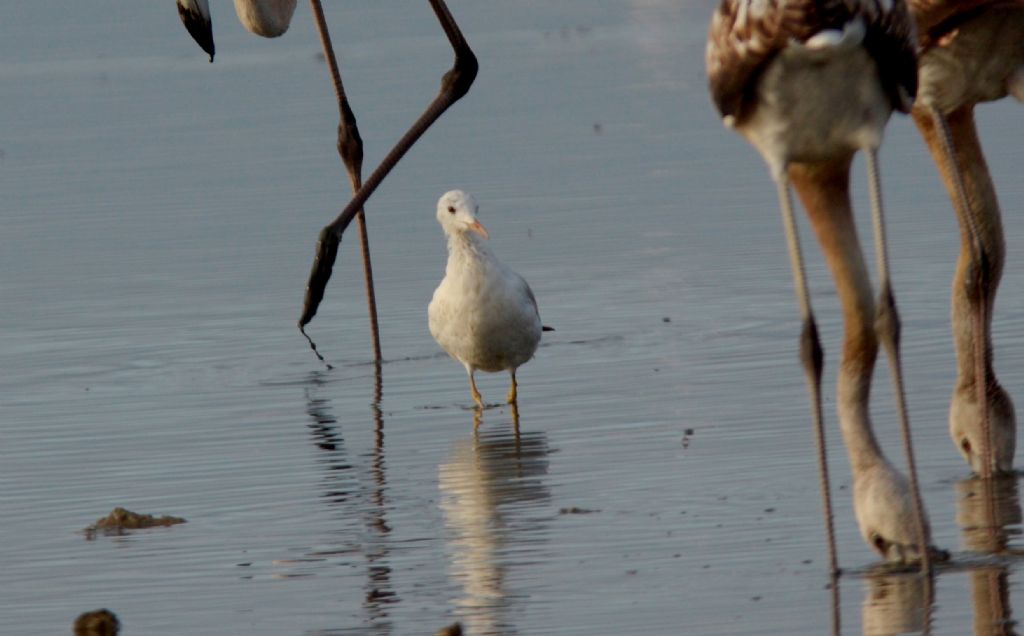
(483, 313)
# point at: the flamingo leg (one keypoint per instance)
(350, 148)
(887, 327)
(812, 359)
(455, 83)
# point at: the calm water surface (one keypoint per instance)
(159, 216)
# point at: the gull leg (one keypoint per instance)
(812, 358)
(887, 326)
(454, 85)
(472, 388)
(512, 391)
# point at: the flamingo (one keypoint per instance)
(271, 18)
(809, 83)
(972, 51)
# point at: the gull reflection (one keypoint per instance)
(988, 512)
(494, 500)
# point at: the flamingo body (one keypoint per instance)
(971, 55)
(809, 83)
(268, 18)
(801, 80)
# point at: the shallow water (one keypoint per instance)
(159, 217)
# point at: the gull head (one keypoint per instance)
(456, 212)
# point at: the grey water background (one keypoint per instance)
(158, 221)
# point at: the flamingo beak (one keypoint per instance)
(479, 229)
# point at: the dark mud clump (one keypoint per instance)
(576, 510)
(121, 521)
(101, 622)
(455, 629)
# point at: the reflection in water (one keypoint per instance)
(896, 604)
(988, 514)
(489, 486)
(358, 501)
(990, 597)
(834, 594)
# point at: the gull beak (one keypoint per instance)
(195, 15)
(479, 229)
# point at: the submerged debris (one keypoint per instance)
(101, 622)
(455, 629)
(575, 510)
(687, 434)
(119, 521)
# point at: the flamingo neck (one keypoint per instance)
(855, 422)
(823, 187)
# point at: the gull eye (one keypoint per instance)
(451, 209)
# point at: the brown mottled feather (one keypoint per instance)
(741, 44)
(891, 39)
(936, 18)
